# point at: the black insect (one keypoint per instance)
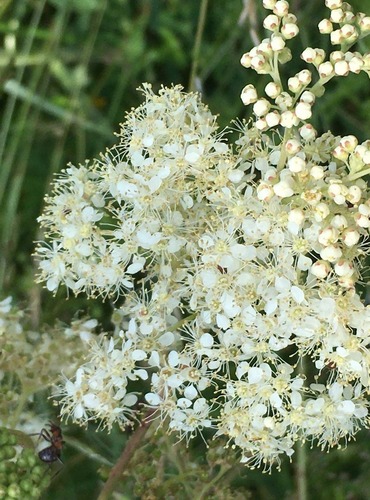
(53, 452)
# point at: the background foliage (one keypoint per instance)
(68, 72)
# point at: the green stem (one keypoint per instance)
(197, 44)
(301, 464)
(301, 472)
(209, 485)
(358, 175)
(128, 452)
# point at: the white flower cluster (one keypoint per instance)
(236, 268)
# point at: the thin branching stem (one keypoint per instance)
(197, 45)
(128, 452)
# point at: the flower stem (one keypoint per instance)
(129, 450)
(197, 44)
(301, 472)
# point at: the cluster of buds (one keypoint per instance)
(351, 26)
(21, 475)
(290, 108)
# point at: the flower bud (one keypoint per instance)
(337, 55)
(350, 237)
(346, 282)
(355, 64)
(341, 68)
(281, 8)
(292, 146)
(296, 216)
(271, 22)
(272, 119)
(326, 70)
(305, 76)
(296, 164)
(303, 111)
(328, 236)
(325, 27)
(283, 189)
(307, 132)
(337, 16)
(284, 101)
(260, 64)
(362, 220)
(261, 124)
(261, 107)
(316, 172)
(331, 253)
(289, 30)
(364, 24)
(354, 194)
(333, 4)
(320, 269)
(277, 43)
(273, 89)
(308, 97)
(349, 142)
(336, 37)
(308, 55)
(349, 32)
(249, 94)
(294, 84)
(288, 119)
(343, 268)
(269, 4)
(340, 153)
(246, 60)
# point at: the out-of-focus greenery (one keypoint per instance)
(69, 70)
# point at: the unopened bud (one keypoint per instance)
(296, 164)
(343, 268)
(308, 97)
(271, 22)
(354, 194)
(292, 146)
(326, 70)
(320, 269)
(332, 253)
(249, 94)
(317, 172)
(325, 27)
(281, 8)
(328, 236)
(303, 110)
(261, 107)
(337, 16)
(273, 89)
(341, 68)
(307, 132)
(333, 4)
(289, 119)
(277, 43)
(289, 30)
(350, 237)
(272, 119)
(349, 142)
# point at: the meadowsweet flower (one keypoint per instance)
(231, 260)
